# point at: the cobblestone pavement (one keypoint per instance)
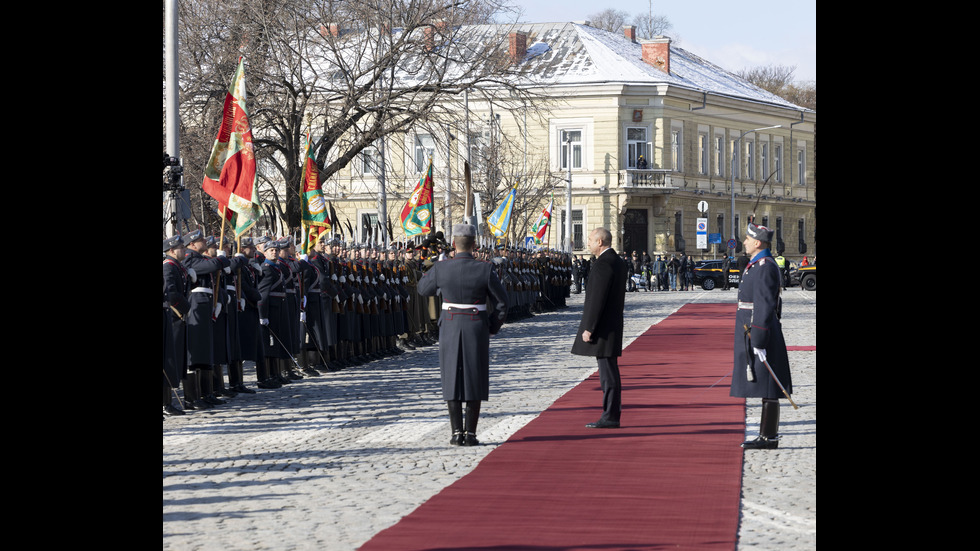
(327, 462)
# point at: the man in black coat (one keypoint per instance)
(470, 288)
(759, 337)
(600, 334)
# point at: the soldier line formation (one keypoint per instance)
(300, 315)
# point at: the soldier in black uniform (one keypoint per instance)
(467, 286)
(175, 308)
(759, 337)
(198, 388)
(272, 315)
(250, 344)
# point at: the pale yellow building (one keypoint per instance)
(603, 100)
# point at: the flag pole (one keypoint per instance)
(221, 244)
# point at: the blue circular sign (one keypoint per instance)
(731, 243)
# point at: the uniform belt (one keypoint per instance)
(291, 291)
(231, 287)
(479, 307)
(202, 290)
(277, 294)
(744, 305)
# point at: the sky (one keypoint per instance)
(723, 32)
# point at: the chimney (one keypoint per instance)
(656, 52)
(331, 29)
(438, 26)
(630, 32)
(518, 46)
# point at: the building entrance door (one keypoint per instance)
(635, 231)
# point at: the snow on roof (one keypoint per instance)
(593, 56)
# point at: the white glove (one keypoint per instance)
(264, 321)
(217, 310)
(304, 301)
(304, 257)
(760, 352)
(192, 274)
(241, 305)
(222, 252)
(302, 317)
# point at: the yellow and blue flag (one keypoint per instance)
(499, 221)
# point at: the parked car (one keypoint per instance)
(707, 274)
(805, 277)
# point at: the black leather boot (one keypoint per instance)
(456, 422)
(768, 438)
(472, 417)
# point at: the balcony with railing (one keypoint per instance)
(646, 179)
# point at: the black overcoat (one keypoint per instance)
(200, 333)
(175, 282)
(602, 314)
(758, 302)
(271, 307)
(464, 334)
(248, 318)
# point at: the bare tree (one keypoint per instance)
(649, 25)
(778, 79)
(348, 71)
(609, 19)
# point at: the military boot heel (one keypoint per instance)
(472, 418)
(768, 438)
(456, 422)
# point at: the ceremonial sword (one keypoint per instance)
(774, 377)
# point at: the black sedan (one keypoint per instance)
(708, 275)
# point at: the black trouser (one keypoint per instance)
(612, 388)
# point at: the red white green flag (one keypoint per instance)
(229, 176)
(418, 211)
(315, 219)
(540, 227)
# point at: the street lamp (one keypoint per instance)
(734, 149)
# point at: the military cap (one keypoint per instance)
(761, 233)
(247, 242)
(211, 241)
(172, 242)
(464, 230)
(265, 242)
(195, 235)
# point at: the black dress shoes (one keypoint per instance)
(600, 424)
(761, 443)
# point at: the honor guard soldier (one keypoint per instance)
(204, 309)
(467, 286)
(272, 315)
(761, 361)
(175, 308)
(291, 336)
(250, 344)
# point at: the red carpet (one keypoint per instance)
(670, 478)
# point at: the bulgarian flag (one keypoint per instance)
(418, 211)
(540, 227)
(315, 219)
(229, 176)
